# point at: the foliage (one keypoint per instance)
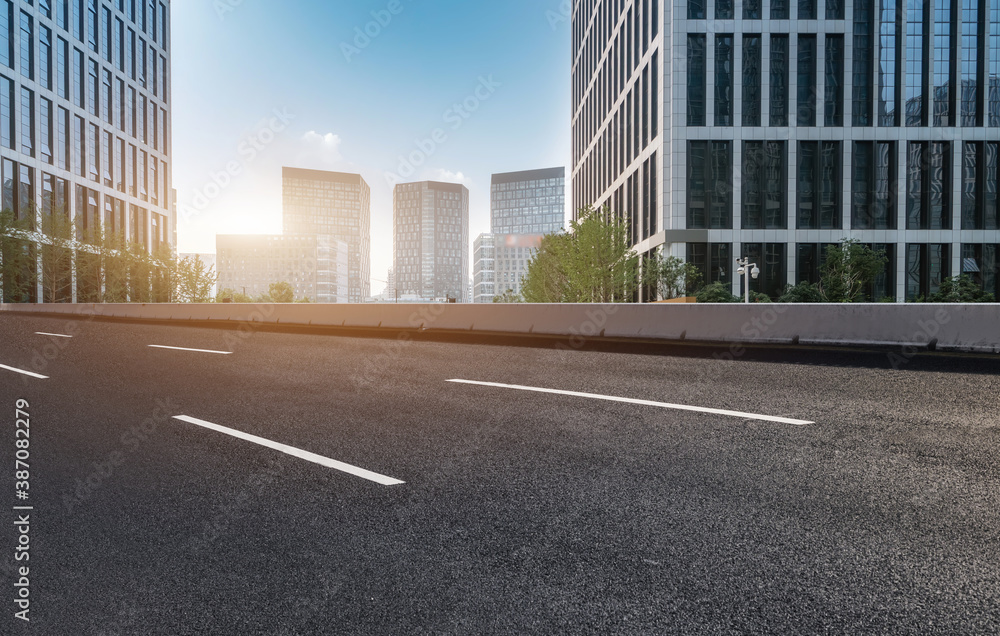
(848, 270)
(594, 263)
(231, 296)
(508, 298)
(717, 293)
(671, 277)
(281, 293)
(57, 256)
(16, 259)
(961, 289)
(195, 280)
(802, 293)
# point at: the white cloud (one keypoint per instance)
(440, 174)
(327, 146)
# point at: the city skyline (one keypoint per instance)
(400, 92)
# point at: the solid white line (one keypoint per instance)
(295, 452)
(22, 372)
(221, 353)
(54, 335)
(678, 407)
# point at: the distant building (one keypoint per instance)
(317, 267)
(431, 232)
(524, 206)
(334, 204)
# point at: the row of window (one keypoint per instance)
(780, 9)
(926, 266)
(874, 190)
(19, 195)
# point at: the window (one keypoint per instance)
(751, 80)
(62, 139)
(770, 258)
(713, 260)
(807, 81)
(94, 153)
(809, 260)
(80, 145)
(942, 66)
(779, 80)
(928, 187)
(6, 113)
(874, 186)
(779, 10)
(993, 71)
(45, 117)
(27, 48)
(917, 86)
(723, 9)
(93, 26)
(864, 62)
(93, 96)
(807, 9)
(710, 204)
(62, 68)
(6, 33)
(926, 267)
(979, 186)
(980, 263)
(697, 74)
(106, 24)
(889, 63)
(696, 9)
(764, 179)
(724, 80)
(819, 185)
(834, 9)
(79, 73)
(751, 10)
(834, 96)
(27, 122)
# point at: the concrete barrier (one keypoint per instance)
(971, 328)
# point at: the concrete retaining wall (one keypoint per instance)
(974, 328)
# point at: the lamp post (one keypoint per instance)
(746, 267)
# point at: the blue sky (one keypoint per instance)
(258, 84)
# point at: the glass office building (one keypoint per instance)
(431, 240)
(334, 204)
(528, 202)
(774, 129)
(85, 120)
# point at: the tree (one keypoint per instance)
(165, 275)
(281, 293)
(848, 270)
(508, 298)
(231, 296)
(594, 263)
(195, 280)
(961, 289)
(802, 293)
(671, 277)
(717, 293)
(57, 255)
(17, 259)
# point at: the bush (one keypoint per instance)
(716, 293)
(960, 289)
(802, 293)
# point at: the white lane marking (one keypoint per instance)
(295, 452)
(221, 353)
(22, 372)
(609, 398)
(54, 335)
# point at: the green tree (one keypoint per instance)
(232, 296)
(717, 293)
(961, 289)
(848, 270)
(594, 263)
(195, 280)
(59, 234)
(802, 293)
(508, 298)
(281, 293)
(17, 258)
(671, 277)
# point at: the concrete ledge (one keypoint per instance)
(965, 328)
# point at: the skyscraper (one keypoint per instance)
(523, 207)
(431, 240)
(772, 130)
(85, 113)
(337, 205)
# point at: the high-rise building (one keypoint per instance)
(528, 202)
(334, 204)
(773, 129)
(431, 240)
(85, 116)
(523, 207)
(315, 265)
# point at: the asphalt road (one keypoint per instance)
(521, 512)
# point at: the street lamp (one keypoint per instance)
(747, 266)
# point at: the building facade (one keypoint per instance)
(337, 205)
(431, 240)
(772, 129)
(528, 202)
(316, 266)
(524, 204)
(85, 120)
